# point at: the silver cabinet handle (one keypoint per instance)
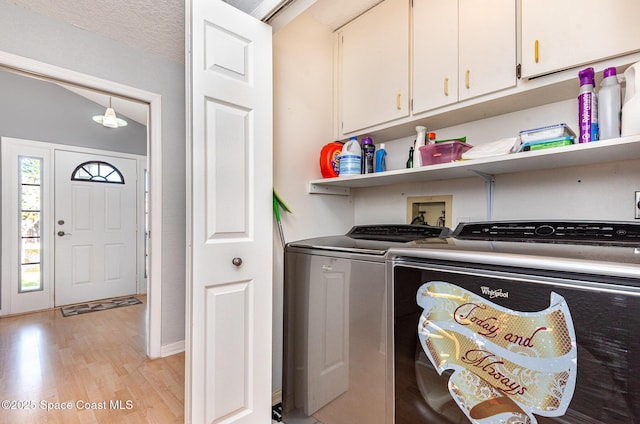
(236, 261)
(62, 234)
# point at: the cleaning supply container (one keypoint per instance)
(631, 105)
(421, 135)
(350, 158)
(368, 156)
(330, 159)
(587, 107)
(381, 158)
(609, 104)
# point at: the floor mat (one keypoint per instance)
(101, 305)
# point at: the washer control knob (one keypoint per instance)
(545, 230)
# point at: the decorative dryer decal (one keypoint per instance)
(507, 364)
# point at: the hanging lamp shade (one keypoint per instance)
(109, 119)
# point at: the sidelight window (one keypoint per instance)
(98, 172)
(30, 203)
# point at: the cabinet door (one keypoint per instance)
(487, 52)
(375, 66)
(559, 35)
(435, 54)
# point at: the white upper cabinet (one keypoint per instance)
(374, 69)
(558, 35)
(461, 49)
(487, 46)
(435, 54)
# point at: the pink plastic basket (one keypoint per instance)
(445, 152)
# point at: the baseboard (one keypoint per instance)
(172, 348)
(276, 397)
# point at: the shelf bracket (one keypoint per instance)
(490, 186)
(328, 189)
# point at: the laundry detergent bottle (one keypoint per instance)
(631, 105)
(368, 156)
(350, 158)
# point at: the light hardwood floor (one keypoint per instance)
(93, 364)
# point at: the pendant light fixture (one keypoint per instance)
(109, 118)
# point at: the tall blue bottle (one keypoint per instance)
(381, 162)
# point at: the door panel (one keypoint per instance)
(227, 195)
(328, 350)
(230, 212)
(95, 227)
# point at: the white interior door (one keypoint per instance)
(95, 227)
(229, 274)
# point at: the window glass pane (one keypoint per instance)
(82, 174)
(31, 278)
(92, 168)
(31, 250)
(30, 197)
(30, 193)
(30, 170)
(113, 177)
(30, 225)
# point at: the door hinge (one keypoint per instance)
(519, 70)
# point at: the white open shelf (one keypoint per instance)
(618, 149)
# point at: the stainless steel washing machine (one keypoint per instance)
(516, 322)
(335, 323)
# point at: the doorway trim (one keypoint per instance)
(53, 73)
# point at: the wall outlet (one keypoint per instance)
(637, 205)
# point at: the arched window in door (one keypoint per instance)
(98, 172)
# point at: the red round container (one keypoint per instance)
(330, 159)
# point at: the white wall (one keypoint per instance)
(598, 192)
(36, 37)
(303, 89)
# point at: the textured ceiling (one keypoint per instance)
(157, 26)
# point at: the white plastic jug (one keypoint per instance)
(350, 158)
(631, 105)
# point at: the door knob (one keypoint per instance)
(236, 261)
(62, 234)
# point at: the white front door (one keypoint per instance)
(229, 269)
(95, 227)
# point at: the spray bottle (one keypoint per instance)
(421, 133)
(587, 107)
